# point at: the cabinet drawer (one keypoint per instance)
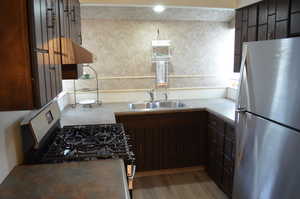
(220, 142)
(212, 135)
(228, 164)
(228, 149)
(216, 123)
(228, 182)
(233, 151)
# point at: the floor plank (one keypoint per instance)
(190, 185)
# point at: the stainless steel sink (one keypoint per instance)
(146, 105)
(156, 105)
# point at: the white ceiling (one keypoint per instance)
(146, 13)
(191, 3)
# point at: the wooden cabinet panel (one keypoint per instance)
(168, 140)
(295, 6)
(244, 32)
(281, 29)
(271, 6)
(252, 33)
(295, 24)
(238, 19)
(267, 20)
(252, 16)
(237, 63)
(221, 155)
(238, 41)
(271, 27)
(245, 12)
(282, 9)
(262, 32)
(263, 13)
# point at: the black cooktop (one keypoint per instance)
(89, 142)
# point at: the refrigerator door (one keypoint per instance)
(267, 161)
(270, 80)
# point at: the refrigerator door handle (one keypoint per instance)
(241, 110)
(240, 101)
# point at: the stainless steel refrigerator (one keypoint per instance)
(268, 121)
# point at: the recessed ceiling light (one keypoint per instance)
(159, 8)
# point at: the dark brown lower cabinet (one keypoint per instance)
(167, 140)
(221, 150)
(183, 139)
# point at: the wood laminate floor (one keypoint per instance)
(190, 185)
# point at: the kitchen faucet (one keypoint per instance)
(151, 94)
(166, 96)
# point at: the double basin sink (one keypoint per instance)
(156, 105)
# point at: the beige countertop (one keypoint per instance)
(105, 113)
(85, 179)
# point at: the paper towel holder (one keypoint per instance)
(161, 56)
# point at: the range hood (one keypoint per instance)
(72, 53)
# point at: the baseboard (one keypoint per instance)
(169, 171)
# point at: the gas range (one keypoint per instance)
(89, 142)
(45, 141)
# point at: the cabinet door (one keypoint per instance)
(295, 6)
(39, 52)
(75, 22)
(263, 13)
(295, 24)
(238, 40)
(252, 16)
(252, 33)
(281, 29)
(271, 27)
(271, 6)
(54, 45)
(64, 10)
(262, 32)
(238, 19)
(282, 10)
(244, 32)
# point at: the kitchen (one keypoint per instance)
(167, 73)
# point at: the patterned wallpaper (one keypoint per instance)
(202, 52)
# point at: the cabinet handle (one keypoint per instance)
(73, 14)
(80, 38)
(52, 68)
(38, 50)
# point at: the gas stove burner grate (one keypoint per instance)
(89, 142)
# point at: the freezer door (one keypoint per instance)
(270, 80)
(267, 161)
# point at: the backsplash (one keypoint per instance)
(202, 53)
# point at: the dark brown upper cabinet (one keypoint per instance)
(295, 24)
(31, 51)
(32, 78)
(262, 33)
(262, 13)
(271, 6)
(71, 28)
(281, 29)
(282, 10)
(271, 27)
(252, 15)
(276, 19)
(295, 18)
(295, 6)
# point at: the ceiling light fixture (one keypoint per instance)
(159, 8)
